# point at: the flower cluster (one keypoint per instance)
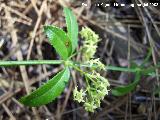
(96, 63)
(96, 85)
(94, 92)
(90, 43)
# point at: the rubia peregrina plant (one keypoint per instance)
(96, 85)
(65, 45)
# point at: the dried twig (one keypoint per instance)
(8, 112)
(36, 28)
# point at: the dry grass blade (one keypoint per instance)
(36, 28)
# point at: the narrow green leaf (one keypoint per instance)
(59, 40)
(49, 91)
(72, 27)
(123, 90)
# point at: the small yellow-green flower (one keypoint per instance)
(96, 63)
(89, 106)
(78, 95)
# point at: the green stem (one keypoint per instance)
(78, 69)
(56, 62)
(113, 68)
(122, 69)
(30, 62)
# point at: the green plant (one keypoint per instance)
(96, 86)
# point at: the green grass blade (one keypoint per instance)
(72, 27)
(49, 91)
